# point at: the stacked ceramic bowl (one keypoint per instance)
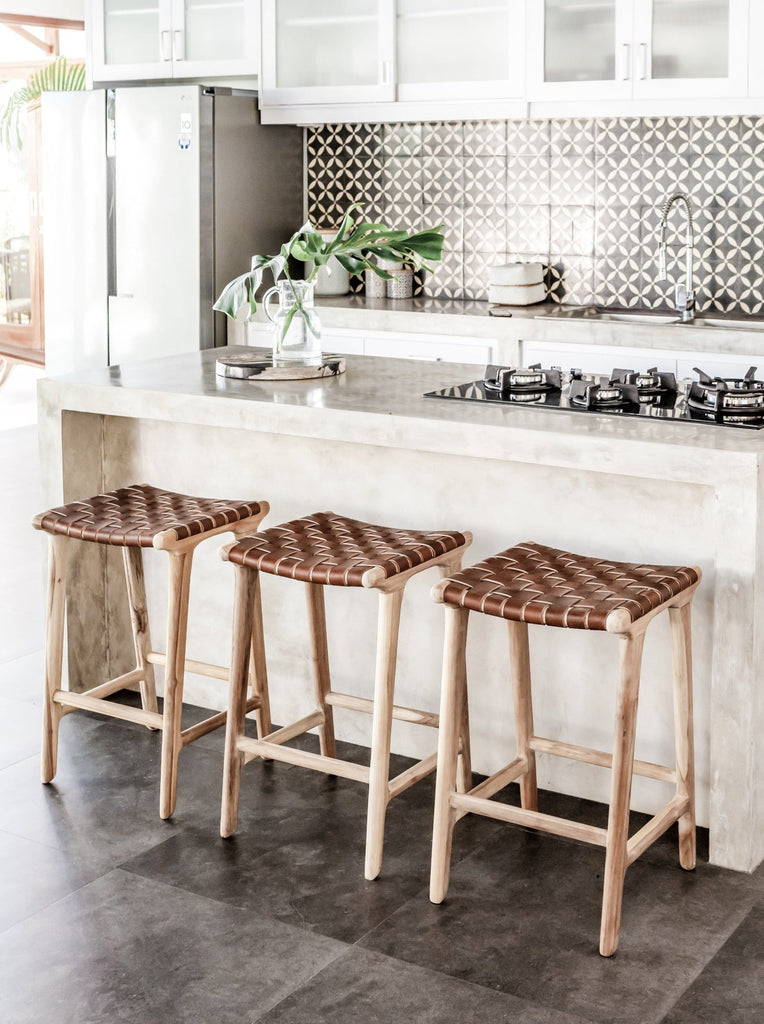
(516, 284)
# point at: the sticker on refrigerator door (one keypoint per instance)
(184, 135)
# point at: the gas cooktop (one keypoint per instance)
(724, 401)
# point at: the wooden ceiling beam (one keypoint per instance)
(30, 37)
(42, 22)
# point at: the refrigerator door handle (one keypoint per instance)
(179, 44)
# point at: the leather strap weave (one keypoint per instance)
(546, 586)
(133, 516)
(331, 549)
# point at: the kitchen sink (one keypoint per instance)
(638, 315)
(617, 314)
(749, 323)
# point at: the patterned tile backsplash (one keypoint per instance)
(582, 196)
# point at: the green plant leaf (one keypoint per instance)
(356, 246)
(58, 76)
(235, 295)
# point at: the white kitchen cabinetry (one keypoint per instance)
(604, 358)
(595, 358)
(338, 51)
(428, 346)
(391, 59)
(716, 365)
(133, 40)
(488, 38)
(637, 49)
(393, 344)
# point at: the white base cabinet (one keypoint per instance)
(392, 344)
(604, 358)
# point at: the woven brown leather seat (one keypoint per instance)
(320, 550)
(333, 550)
(135, 516)
(545, 586)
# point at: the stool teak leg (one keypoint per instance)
(139, 619)
(382, 717)
(58, 557)
(246, 606)
(314, 593)
(683, 730)
(519, 657)
(451, 703)
(620, 790)
(258, 667)
(177, 623)
(464, 764)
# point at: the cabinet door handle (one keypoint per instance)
(179, 45)
(166, 45)
(643, 61)
(625, 62)
(385, 72)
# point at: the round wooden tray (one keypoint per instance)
(257, 364)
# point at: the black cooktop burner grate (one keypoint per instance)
(730, 402)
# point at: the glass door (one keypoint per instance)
(215, 37)
(691, 48)
(580, 50)
(333, 52)
(131, 39)
(454, 49)
(21, 320)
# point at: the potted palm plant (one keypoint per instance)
(357, 246)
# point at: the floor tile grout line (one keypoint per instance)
(55, 902)
(340, 956)
(745, 915)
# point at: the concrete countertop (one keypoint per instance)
(381, 401)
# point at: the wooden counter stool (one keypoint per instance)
(133, 518)
(321, 550)
(546, 587)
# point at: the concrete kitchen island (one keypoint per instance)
(367, 444)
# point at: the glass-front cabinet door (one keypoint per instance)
(580, 50)
(616, 49)
(127, 37)
(335, 51)
(453, 49)
(149, 39)
(691, 47)
(215, 37)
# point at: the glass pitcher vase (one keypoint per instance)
(296, 326)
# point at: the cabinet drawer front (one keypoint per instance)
(396, 347)
(718, 365)
(595, 358)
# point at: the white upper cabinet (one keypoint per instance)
(637, 49)
(691, 48)
(579, 50)
(368, 51)
(460, 50)
(148, 39)
(336, 51)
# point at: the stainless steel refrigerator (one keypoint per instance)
(153, 199)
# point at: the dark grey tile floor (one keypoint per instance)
(109, 915)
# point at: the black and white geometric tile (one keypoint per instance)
(582, 196)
